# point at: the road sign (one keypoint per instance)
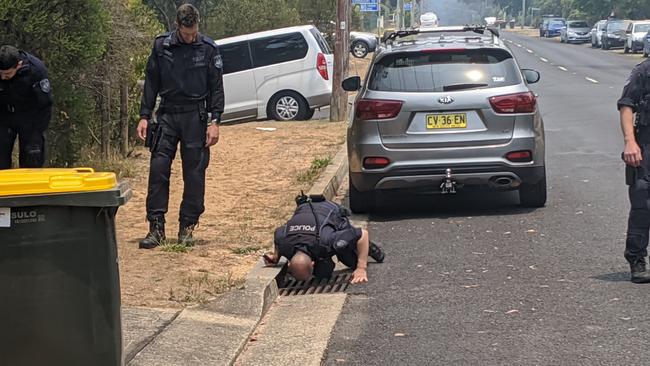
(408, 6)
(370, 7)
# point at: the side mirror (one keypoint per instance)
(352, 84)
(531, 76)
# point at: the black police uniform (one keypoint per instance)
(322, 233)
(189, 80)
(636, 95)
(25, 112)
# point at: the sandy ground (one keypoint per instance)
(251, 183)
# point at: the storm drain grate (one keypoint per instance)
(338, 283)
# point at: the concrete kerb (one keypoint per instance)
(216, 333)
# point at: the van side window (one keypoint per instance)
(322, 43)
(277, 49)
(236, 57)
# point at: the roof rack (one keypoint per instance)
(480, 29)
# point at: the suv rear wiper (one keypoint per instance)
(454, 87)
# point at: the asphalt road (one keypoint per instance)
(476, 280)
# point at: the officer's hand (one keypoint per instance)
(360, 275)
(632, 154)
(142, 129)
(212, 135)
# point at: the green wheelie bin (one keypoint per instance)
(59, 278)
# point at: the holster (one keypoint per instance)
(630, 175)
(154, 134)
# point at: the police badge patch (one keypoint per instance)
(45, 86)
(218, 62)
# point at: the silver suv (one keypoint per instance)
(442, 111)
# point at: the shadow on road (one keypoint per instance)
(613, 277)
(398, 207)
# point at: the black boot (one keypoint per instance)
(155, 237)
(638, 271)
(376, 253)
(185, 232)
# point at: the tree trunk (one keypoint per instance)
(106, 119)
(124, 114)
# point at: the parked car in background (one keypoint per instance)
(551, 27)
(613, 34)
(635, 34)
(577, 31)
(646, 45)
(428, 21)
(596, 33)
(362, 43)
(435, 117)
(284, 74)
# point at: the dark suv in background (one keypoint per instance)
(441, 111)
(613, 34)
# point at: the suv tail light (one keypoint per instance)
(524, 156)
(375, 162)
(321, 66)
(368, 109)
(514, 103)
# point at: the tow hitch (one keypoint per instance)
(448, 185)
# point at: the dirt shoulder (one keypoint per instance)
(251, 182)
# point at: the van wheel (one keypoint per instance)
(533, 195)
(361, 202)
(288, 106)
(310, 114)
(360, 49)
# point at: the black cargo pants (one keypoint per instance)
(638, 179)
(189, 128)
(29, 128)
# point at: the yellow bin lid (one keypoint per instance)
(21, 182)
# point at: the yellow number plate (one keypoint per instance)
(442, 121)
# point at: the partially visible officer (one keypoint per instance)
(185, 69)
(636, 132)
(317, 231)
(25, 107)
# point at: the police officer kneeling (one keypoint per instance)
(25, 107)
(636, 99)
(317, 231)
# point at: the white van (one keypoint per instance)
(428, 21)
(283, 74)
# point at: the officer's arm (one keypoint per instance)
(151, 86)
(363, 248)
(627, 124)
(216, 98)
(42, 90)
(627, 105)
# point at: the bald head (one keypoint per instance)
(301, 266)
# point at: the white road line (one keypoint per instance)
(529, 51)
(517, 44)
(562, 68)
(593, 80)
(543, 59)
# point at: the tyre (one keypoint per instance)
(361, 202)
(288, 106)
(360, 49)
(645, 53)
(626, 50)
(533, 195)
(546, 35)
(310, 114)
(606, 45)
(561, 40)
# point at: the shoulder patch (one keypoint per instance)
(45, 85)
(218, 61)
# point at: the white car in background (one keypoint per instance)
(634, 36)
(428, 21)
(283, 74)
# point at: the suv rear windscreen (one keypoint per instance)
(444, 70)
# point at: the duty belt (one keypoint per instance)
(171, 108)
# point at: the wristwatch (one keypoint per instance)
(213, 122)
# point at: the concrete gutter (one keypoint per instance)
(216, 333)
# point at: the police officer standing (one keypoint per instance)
(25, 107)
(185, 70)
(636, 132)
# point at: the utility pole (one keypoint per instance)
(339, 101)
(399, 16)
(523, 13)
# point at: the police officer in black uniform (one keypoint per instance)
(25, 107)
(185, 70)
(317, 231)
(636, 132)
